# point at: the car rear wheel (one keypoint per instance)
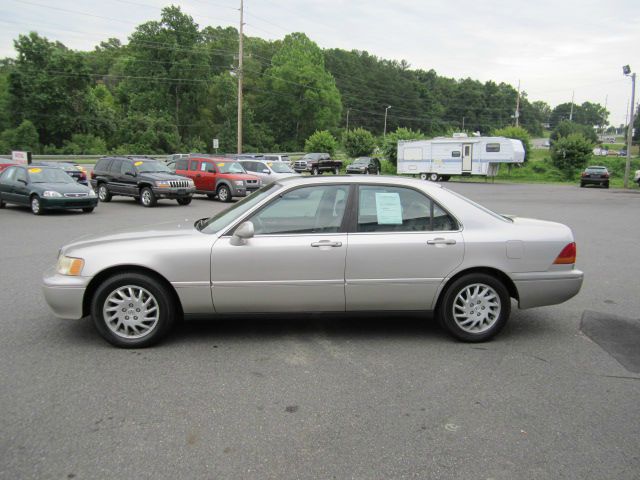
(184, 201)
(581, 185)
(2, 203)
(606, 185)
(133, 310)
(224, 194)
(147, 197)
(36, 205)
(104, 195)
(475, 307)
(88, 209)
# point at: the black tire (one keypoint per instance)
(445, 310)
(606, 185)
(36, 205)
(445, 178)
(161, 295)
(434, 177)
(104, 195)
(147, 197)
(224, 193)
(184, 201)
(336, 171)
(315, 171)
(581, 185)
(88, 209)
(424, 176)
(3, 204)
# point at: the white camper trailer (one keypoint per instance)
(442, 157)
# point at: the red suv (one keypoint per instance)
(217, 177)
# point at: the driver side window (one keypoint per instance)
(316, 209)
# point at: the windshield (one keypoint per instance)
(230, 167)
(49, 175)
(149, 166)
(364, 160)
(224, 218)
(280, 167)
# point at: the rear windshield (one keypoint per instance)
(596, 169)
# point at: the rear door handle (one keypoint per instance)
(326, 243)
(441, 241)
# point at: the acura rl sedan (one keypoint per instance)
(309, 244)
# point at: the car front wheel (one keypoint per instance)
(147, 197)
(475, 307)
(132, 310)
(36, 205)
(224, 194)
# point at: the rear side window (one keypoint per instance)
(115, 165)
(181, 164)
(103, 164)
(493, 147)
(207, 167)
(9, 174)
(398, 209)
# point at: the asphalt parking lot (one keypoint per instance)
(322, 397)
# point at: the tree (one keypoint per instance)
(23, 137)
(571, 153)
(566, 128)
(517, 133)
(300, 95)
(358, 142)
(390, 144)
(321, 141)
(591, 114)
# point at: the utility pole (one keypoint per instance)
(240, 75)
(517, 115)
(463, 124)
(606, 100)
(571, 113)
(385, 121)
(627, 166)
(348, 109)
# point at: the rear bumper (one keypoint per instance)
(538, 289)
(64, 294)
(594, 181)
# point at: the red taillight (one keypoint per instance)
(93, 175)
(606, 175)
(83, 176)
(567, 255)
(584, 174)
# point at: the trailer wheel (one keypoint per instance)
(434, 177)
(424, 176)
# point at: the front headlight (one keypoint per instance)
(92, 193)
(163, 184)
(240, 183)
(52, 194)
(69, 265)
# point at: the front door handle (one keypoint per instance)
(326, 243)
(441, 241)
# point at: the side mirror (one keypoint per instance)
(245, 230)
(266, 170)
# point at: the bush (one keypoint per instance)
(390, 144)
(358, 142)
(566, 128)
(571, 153)
(517, 133)
(23, 137)
(84, 144)
(321, 141)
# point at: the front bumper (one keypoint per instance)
(49, 203)
(64, 294)
(173, 193)
(537, 289)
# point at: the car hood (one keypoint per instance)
(168, 231)
(161, 176)
(60, 187)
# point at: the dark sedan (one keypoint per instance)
(69, 168)
(44, 188)
(595, 176)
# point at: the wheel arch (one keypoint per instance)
(494, 272)
(108, 272)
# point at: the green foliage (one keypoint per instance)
(321, 141)
(571, 153)
(390, 143)
(566, 128)
(588, 114)
(84, 143)
(518, 133)
(23, 137)
(358, 142)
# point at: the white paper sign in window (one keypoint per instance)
(388, 208)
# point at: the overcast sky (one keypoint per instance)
(552, 47)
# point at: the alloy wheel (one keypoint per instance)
(131, 312)
(476, 308)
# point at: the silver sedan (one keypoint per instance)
(308, 244)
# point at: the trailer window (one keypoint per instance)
(455, 154)
(493, 147)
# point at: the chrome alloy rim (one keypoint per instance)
(102, 192)
(476, 308)
(146, 197)
(131, 312)
(222, 194)
(35, 205)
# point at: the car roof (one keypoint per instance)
(596, 166)
(359, 179)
